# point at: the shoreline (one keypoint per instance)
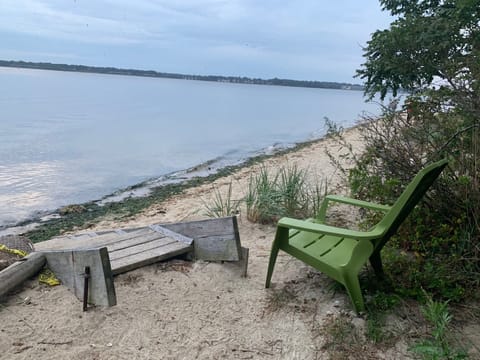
(129, 201)
(144, 188)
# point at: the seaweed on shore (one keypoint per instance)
(88, 214)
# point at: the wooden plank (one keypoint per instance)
(244, 261)
(205, 227)
(113, 236)
(144, 247)
(63, 243)
(69, 267)
(214, 239)
(127, 243)
(128, 248)
(101, 285)
(172, 234)
(146, 258)
(216, 248)
(19, 271)
(238, 267)
(79, 237)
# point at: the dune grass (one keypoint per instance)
(286, 192)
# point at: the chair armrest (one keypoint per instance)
(349, 201)
(327, 229)
(360, 203)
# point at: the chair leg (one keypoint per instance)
(281, 233)
(353, 288)
(271, 265)
(376, 262)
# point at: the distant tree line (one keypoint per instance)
(152, 73)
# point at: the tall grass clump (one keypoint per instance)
(262, 198)
(285, 192)
(291, 185)
(222, 205)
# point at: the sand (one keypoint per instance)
(196, 310)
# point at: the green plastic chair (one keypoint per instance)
(341, 253)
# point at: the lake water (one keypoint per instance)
(71, 137)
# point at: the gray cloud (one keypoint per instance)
(306, 39)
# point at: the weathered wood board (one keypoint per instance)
(214, 239)
(242, 264)
(127, 250)
(69, 267)
(112, 252)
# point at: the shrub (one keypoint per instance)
(430, 50)
(442, 232)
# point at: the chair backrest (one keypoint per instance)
(407, 201)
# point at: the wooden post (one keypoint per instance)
(86, 277)
(20, 271)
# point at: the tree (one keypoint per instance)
(430, 41)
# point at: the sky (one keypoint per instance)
(295, 39)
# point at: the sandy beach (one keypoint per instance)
(204, 310)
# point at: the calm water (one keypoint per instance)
(69, 137)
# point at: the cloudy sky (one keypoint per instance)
(297, 39)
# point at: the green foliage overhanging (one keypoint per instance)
(432, 51)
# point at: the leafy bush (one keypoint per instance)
(443, 231)
(431, 51)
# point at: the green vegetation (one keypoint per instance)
(151, 73)
(222, 204)
(84, 216)
(439, 345)
(284, 193)
(379, 306)
(431, 50)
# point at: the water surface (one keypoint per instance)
(74, 137)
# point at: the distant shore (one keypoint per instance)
(152, 73)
